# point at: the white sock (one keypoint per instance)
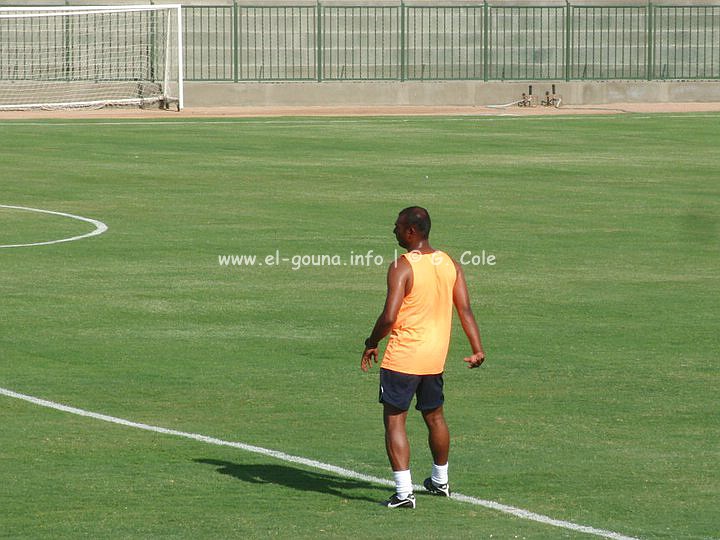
(403, 483)
(440, 474)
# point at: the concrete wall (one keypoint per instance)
(460, 93)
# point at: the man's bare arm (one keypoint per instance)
(461, 299)
(397, 284)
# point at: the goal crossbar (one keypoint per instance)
(59, 11)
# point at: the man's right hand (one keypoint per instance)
(475, 360)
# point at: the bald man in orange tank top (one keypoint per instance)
(422, 287)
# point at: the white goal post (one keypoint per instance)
(90, 56)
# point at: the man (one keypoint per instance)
(422, 286)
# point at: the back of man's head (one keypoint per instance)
(419, 218)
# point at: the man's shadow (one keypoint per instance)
(294, 478)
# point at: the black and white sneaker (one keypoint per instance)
(441, 490)
(397, 502)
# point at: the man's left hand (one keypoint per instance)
(368, 357)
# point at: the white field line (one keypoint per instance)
(311, 120)
(339, 471)
(100, 227)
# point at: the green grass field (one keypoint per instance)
(598, 403)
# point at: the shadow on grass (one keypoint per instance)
(295, 478)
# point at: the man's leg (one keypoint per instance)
(396, 441)
(398, 451)
(438, 435)
(439, 442)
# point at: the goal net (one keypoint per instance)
(68, 57)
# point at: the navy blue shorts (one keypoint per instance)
(398, 389)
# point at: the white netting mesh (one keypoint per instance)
(89, 57)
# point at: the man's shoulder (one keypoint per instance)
(444, 255)
(443, 258)
(400, 264)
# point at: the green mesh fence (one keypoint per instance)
(412, 42)
(686, 42)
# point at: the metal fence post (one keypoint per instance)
(650, 41)
(319, 42)
(235, 42)
(403, 52)
(66, 44)
(568, 40)
(486, 41)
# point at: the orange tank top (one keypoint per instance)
(420, 337)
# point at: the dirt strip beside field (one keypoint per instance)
(248, 112)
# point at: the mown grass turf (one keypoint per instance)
(598, 403)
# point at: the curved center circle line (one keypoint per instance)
(100, 227)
